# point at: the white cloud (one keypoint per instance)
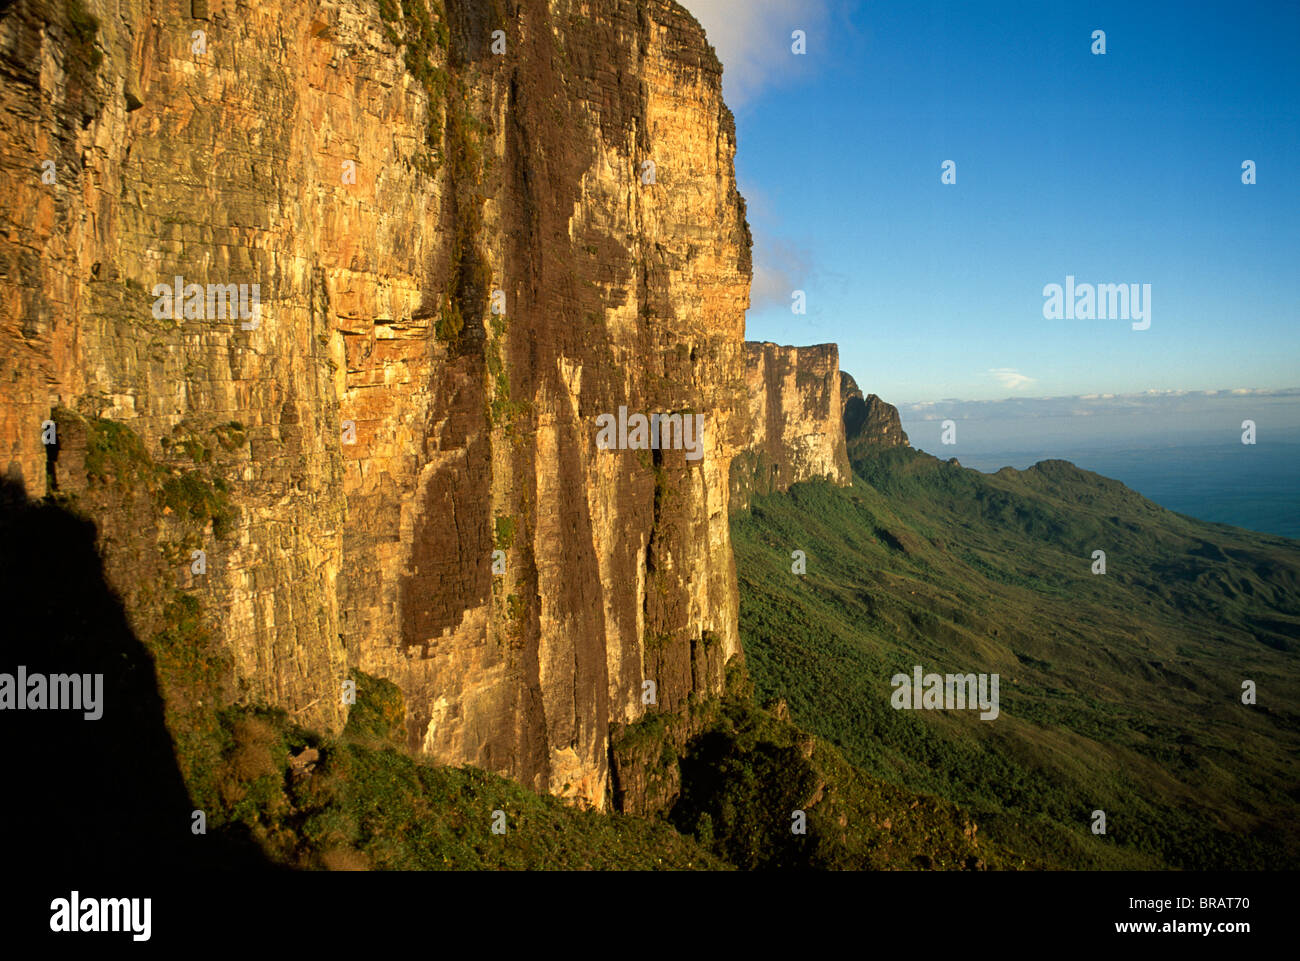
(752, 38)
(1010, 379)
(1162, 406)
(779, 270)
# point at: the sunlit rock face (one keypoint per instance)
(398, 423)
(796, 418)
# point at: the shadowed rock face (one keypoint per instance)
(67, 619)
(869, 420)
(392, 431)
(796, 420)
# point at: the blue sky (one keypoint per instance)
(1121, 168)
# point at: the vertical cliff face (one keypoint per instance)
(463, 257)
(796, 420)
(869, 421)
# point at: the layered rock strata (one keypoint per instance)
(473, 229)
(796, 418)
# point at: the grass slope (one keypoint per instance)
(753, 775)
(364, 804)
(1119, 692)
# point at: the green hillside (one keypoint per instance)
(297, 799)
(358, 803)
(1119, 692)
(731, 777)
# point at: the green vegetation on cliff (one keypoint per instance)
(194, 675)
(116, 458)
(423, 35)
(454, 136)
(358, 802)
(86, 57)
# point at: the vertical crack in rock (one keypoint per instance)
(379, 179)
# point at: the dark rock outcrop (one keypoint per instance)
(869, 421)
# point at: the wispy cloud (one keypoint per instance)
(752, 38)
(779, 269)
(1010, 378)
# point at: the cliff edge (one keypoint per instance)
(335, 295)
(869, 421)
(796, 420)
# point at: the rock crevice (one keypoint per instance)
(463, 258)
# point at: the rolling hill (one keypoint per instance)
(1120, 692)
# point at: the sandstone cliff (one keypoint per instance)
(869, 421)
(796, 420)
(464, 256)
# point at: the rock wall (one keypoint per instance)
(796, 418)
(869, 421)
(464, 256)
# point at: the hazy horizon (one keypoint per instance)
(1183, 450)
(1169, 418)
